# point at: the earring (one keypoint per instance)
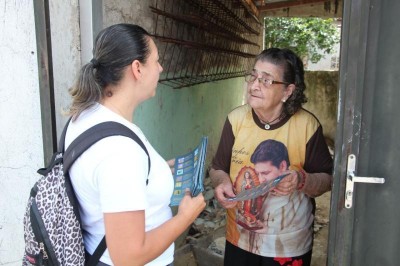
(283, 100)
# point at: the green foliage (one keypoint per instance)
(303, 35)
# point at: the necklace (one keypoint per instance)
(267, 124)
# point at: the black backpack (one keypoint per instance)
(52, 225)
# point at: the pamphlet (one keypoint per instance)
(189, 172)
(258, 190)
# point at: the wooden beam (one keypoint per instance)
(251, 7)
(285, 4)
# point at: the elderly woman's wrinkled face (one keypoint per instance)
(263, 95)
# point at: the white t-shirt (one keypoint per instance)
(111, 176)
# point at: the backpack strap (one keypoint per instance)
(61, 143)
(98, 252)
(94, 134)
(79, 146)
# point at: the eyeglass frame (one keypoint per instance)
(267, 81)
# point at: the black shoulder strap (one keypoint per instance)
(95, 257)
(61, 143)
(94, 134)
(80, 145)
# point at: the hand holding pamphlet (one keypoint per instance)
(258, 190)
(189, 172)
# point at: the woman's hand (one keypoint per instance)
(223, 188)
(287, 185)
(171, 164)
(224, 191)
(190, 206)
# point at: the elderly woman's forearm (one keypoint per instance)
(317, 184)
(218, 177)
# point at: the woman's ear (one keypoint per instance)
(136, 69)
(288, 92)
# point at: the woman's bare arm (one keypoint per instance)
(129, 244)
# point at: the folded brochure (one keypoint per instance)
(189, 172)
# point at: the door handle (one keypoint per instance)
(352, 178)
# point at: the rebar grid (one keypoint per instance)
(204, 40)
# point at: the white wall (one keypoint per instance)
(330, 62)
(65, 38)
(20, 131)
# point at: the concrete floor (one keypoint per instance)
(321, 236)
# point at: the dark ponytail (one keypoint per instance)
(115, 48)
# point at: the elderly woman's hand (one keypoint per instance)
(223, 188)
(224, 191)
(288, 185)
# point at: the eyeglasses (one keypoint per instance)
(266, 82)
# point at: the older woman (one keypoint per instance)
(275, 94)
(109, 178)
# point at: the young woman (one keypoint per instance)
(109, 179)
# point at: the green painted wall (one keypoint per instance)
(322, 93)
(175, 119)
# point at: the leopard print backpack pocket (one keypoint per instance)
(52, 230)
